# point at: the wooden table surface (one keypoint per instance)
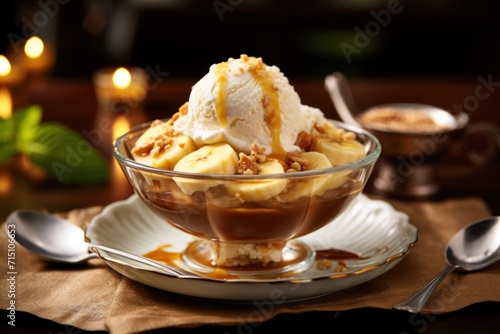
(72, 102)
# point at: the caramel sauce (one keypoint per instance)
(219, 273)
(337, 254)
(280, 157)
(249, 222)
(221, 80)
(270, 101)
(170, 258)
(159, 254)
(202, 257)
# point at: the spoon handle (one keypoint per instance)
(416, 303)
(336, 86)
(169, 270)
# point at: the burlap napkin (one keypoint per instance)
(94, 297)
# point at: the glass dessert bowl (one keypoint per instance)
(247, 225)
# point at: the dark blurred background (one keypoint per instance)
(306, 39)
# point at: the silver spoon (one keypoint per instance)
(336, 86)
(474, 247)
(56, 239)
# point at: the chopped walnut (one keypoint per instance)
(348, 136)
(296, 161)
(294, 167)
(248, 163)
(324, 264)
(304, 140)
(332, 132)
(246, 166)
(157, 142)
(182, 111)
(342, 267)
(161, 144)
(143, 150)
(257, 153)
(319, 129)
(342, 135)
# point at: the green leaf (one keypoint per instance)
(26, 122)
(65, 155)
(19, 130)
(7, 139)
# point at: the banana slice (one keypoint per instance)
(310, 186)
(260, 190)
(180, 147)
(340, 147)
(339, 152)
(220, 159)
(339, 178)
(161, 147)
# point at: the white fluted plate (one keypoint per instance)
(373, 229)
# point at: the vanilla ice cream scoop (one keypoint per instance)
(243, 102)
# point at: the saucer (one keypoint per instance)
(378, 234)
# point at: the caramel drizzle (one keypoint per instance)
(221, 80)
(270, 101)
(272, 114)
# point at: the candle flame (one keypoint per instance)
(5, 103)
(4, 66)
(122, 78)
(34, 47)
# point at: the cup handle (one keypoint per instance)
(479, 142)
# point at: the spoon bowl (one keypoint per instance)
(58, 240)
(50, 237)
(474, 247)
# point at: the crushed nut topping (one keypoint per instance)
(143, 150)
(340, 135)
(294, 167)
(320, 129)
(257, 153)
(296, 162)
(183, 110)
(304, 140)
(248, 163)
(348, 136)
(324, 264)
(158, 143)
(247, 166)
(342, 267)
